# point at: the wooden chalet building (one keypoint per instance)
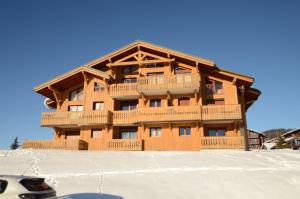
(256, 139)
(147, 97)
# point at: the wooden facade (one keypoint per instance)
(256, 139)
(147, 97)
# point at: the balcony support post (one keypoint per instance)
(57, 95)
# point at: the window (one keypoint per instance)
(215, 102)
(216, 132)
(155, 65)
(182, 70)
(128, 105)
(184, 131)
(155, 132)
(156, 78)
(129, 80)
(184, 101)
(75, 108)
(96, 133)
(129, 70)
(76, 95)
(98, 87)
(3, 185)
(155, 102)
(128, 133)
(98, 106)
(213, 87)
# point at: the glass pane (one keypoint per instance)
(211, 132)
(188, 131)
(152, 132)
(79, 108)
(158, 131)
(221, 132)
(181, 131)
(132, 135)
(158, 103)
(124, 135)
(218, 87)
(152, 103)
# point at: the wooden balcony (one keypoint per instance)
(172, 113)
(124, 145)
(175, 84)
(221, 112)
(74, 144)
(125, 117)
(219, 142)
(75, 119)
(123, 91)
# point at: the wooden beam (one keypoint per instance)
(168, 95)
(143, 56)
(56, 94)
(127, 57)
(154, 56)
(140, 62)
(234, 81)
(86, 77)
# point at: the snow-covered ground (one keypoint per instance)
(152, 175)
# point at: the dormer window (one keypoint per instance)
(76, 95)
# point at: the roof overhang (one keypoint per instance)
(251, 95)
(67, 80)
(146, 45)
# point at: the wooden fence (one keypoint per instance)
(219, 142)
(75, 144)
(124, 145)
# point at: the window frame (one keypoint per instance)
(216, 133)
(211, 88)
(77, 91)
(77, 106)
(98, 87)
(157, 131)
(100, 130)
(98, 102)
(156, 101)
(183, 131)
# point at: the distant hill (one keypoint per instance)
(272, 133)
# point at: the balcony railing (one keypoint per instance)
(125, 117)
(219, 142)
(74, 144)
(123, 90)
(174, 83)
(177, 113)
(124, 145)
(221, 112)
(70, 119)
(172, 113)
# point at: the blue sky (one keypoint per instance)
(42, 39)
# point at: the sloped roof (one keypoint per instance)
(141, 43)
(69, 74)
(287, 133)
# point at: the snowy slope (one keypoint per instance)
(151, 175)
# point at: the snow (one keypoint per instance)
(177, 175)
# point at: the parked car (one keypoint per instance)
(24, 187)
